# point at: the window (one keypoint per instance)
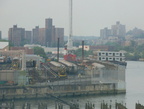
(113, 59)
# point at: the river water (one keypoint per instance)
(134, 88)
(134, 91)
(134, 84)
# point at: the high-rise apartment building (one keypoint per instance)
(48, 23)
(59, 33)
(16, 35)
(118, 30)
(42, 36)
(35, 35)
(0, 35)
(48, 36)
(48, 32)
(53, 38)
(105, 33)
(28, 36)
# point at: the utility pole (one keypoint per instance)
(58, 50)
(82, 51)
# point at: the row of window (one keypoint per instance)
(110, 59)
(111, 54)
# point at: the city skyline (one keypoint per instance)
(46, 36)
(88, 16)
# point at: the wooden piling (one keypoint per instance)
(139, 106)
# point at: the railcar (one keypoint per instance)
(59, 68)
(71, 67)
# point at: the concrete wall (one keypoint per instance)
(7, 75)
(57, 90)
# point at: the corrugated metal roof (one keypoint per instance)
(98, 65)
(3, 44)
(67, 63)
(56, 64)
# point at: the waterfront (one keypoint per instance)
(135, 91)
(134, 87)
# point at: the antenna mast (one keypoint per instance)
(70, 41)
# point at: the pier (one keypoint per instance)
(69, 87)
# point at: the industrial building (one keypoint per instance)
(4, 46)
(14, 64)
(21, 57)
(109, 56)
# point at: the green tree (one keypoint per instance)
(39, 51)
(3, 40)
(129, 56)
(78, 53)
(116, 46)
(133, 43)
(136, 56)
(128, 49)
(134, 51)
(142, 54)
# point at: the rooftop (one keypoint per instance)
(3, 44)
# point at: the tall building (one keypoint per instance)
(59, 33)
(42, 36)
(118, 30)
(48, 32)
(53, 38)
(105, 33)
(28, 36)
(48, 23)
(35, 35)
(16, 35)
(48, 36)
(0, 35)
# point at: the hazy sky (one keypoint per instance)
(89, 16)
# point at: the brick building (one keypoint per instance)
(16, 35)
(26, 49)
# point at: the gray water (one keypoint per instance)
(134, 87)
(134, 91)
(134, 83)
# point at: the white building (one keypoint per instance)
(86, 47)
(4, 45)
(110, 56)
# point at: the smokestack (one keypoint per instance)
(82, 50)
(58, 50)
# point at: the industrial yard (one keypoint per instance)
(26, 76)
